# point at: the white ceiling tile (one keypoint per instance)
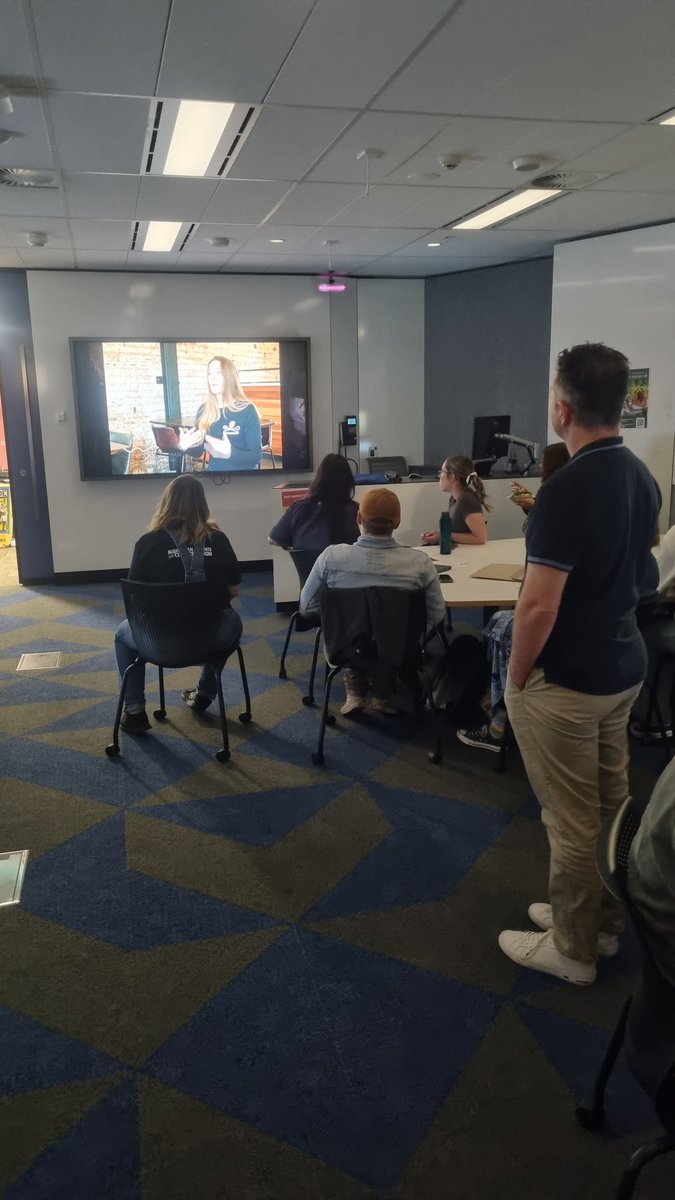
(353, 240)
(217, 51)
(586, 211)
(390, 267)
(16, 58)
(627, 157)
(244, 200)
(46, 257)
(294, 236)
(285, 142)
(101, 260)
(397, 135)
(478, 243)
(201, 262)
(381, 207)
(171, 199)
(9, 257)
(318, 264)
(438, 206)
(151, 260)
(101, 196)
(315, 203)
(28, 202)
(102, 235)
(528, 59)
(99, 133)
(249, 263)
(13, 231)
(30, 148)
(346, 51)
(96, 46)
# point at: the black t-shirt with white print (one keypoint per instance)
(156, 560)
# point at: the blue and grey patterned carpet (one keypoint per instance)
(268, 981)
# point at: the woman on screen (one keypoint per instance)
(227, 425)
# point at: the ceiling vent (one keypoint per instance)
(568, 180)
(26, 177)
(163, 114)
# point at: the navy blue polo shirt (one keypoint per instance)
(595, 519)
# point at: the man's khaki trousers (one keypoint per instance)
(575, 750)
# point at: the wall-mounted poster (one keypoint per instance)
(636, 404)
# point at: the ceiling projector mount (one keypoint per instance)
(331, 282)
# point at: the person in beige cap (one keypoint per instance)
(375, 560)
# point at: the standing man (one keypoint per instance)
(375, 560)
(578, 658)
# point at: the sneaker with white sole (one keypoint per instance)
(542, 915)
(353, 704)
(538, 952)
(481, 739)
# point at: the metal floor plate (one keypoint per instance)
(12, 869)
(46, 660)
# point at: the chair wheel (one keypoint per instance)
(308, 701)
(112, 751)
(330, 719)
(282, 673)
(222, 755)
(245, 717)
(160, 714)
(317, 759)
(434, 756)
(589, 1119)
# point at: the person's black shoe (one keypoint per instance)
(196, 700)
(135, 722)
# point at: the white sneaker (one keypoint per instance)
(542, 915)
(538, 952)
(383, 706)
(353, 704)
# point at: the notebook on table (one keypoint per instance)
(505, 572)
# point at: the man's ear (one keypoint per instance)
(359, 518)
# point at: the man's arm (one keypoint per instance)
(536, 613)
(310, 595)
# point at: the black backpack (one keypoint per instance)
(192, 559)
(460, 674)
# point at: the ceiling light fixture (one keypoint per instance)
(508, 208)
(328, 282)
(432, 245)
(277, 241)
(6, 106)
(665, 118)
(198, 129)
(161, 235)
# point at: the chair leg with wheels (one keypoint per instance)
(593, 1118)
(224, 754)
(317, 757)
(642, 1156)
(308, 700)
(284, 652)
(245, 716)
(160, 713)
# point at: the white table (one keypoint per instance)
(466, 592)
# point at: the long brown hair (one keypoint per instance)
(463, 468)
(555, 456)
(183, 508)
(234, 396)
(333, 482)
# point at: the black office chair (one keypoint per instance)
(303, 561)
(395, 464)
(646, 1025)
(372, 628)
(174, 625)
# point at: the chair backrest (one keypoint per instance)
(266, 434)
(303, 561)
(613, 850)
(373, 624)
(395, 464)
(173, 624)
(166, 439)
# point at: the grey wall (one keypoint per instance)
(487, 351)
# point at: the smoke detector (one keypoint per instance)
(529, 162)
(449, 161)
(37, 238)
(218, 243)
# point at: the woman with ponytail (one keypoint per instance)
(460, 479)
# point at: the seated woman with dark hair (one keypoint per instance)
(327, 517)
(183, 543)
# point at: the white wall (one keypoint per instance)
(391, 367)
(94, 525)
(620, 290)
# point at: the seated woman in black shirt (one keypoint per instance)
(327, 517)
(181, 524)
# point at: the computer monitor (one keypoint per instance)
(484, 445)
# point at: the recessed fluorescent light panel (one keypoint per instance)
(508, 208)
(666, 118)
(162, 235)
(196, 138)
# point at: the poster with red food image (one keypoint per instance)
(636, 405)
